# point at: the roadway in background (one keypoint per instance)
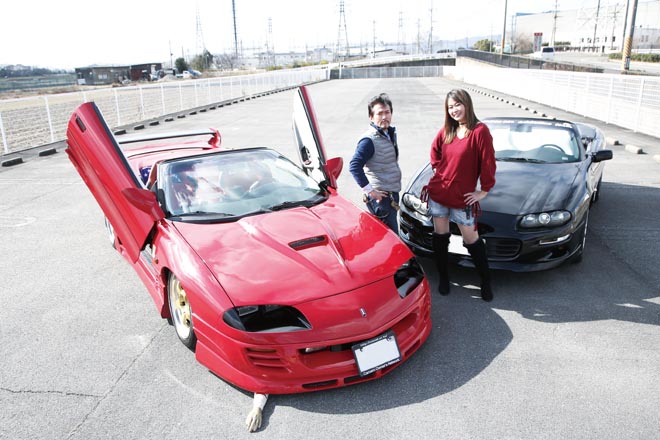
(568, 353)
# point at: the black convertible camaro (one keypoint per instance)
(548, 175)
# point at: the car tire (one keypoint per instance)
(181, 312)
(579, 255)
(111, 232)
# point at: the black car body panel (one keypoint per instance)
(567, 185)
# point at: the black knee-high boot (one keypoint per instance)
(477, 251)
(441, 251)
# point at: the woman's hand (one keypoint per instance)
(473, 197)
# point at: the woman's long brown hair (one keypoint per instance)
(451, 125)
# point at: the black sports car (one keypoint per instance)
(535, 218)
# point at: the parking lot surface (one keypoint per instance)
(568, 353)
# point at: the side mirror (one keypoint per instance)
(145, 201)
(334, 166)
(602, 155)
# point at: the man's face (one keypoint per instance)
(381, 115)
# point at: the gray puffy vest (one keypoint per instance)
(382, 169)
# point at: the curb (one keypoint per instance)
(634, 149)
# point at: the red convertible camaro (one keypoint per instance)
(278, 284)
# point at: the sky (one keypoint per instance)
(78, 33)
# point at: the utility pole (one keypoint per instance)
(554, 26)
(431, 30)
(373, 55)
(627, 44)
(593, 41)
(503, 30)
(233, 11)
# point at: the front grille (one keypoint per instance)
(502, 248)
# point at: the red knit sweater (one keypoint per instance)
(460, 164)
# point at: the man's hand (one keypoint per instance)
(254, 419)
(378, 195)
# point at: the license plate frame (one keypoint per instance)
(376, 353)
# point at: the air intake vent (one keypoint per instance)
(309, 242)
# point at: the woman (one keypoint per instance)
(461, 154)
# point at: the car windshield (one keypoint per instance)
(228, 185)
(534, 141)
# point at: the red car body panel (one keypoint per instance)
(342, 281)
(108, 175)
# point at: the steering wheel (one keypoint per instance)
(261, 187)
(553, 146)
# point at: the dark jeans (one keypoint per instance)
(385, 211)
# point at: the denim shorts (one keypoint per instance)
(457, 215)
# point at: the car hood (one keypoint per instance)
(297, 255)
(523, 188)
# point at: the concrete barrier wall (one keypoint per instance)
(629, 101)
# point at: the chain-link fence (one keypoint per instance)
(40, 120)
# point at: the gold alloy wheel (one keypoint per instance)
(180, 309)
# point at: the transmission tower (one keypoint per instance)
(400, 36)
(270, 45)
(342, 34)
(200, 47)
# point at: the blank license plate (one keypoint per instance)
(456, 245)
(377, 353)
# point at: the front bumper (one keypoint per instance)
(516, 253)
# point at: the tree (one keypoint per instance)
(180, 65)
(485, 45)
(523, 44)
(227, 61)
(202, 62)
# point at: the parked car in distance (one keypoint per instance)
(546, 53)
(277, 282)
(549, 173)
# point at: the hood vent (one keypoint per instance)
(305, 243)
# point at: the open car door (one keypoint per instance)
(93, 150)
(309, 143)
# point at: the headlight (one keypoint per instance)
(545, 219)
(414, 203)
(266, 318)
(408, 277)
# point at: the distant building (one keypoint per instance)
(145, 72)
(102, 75)
(590, 29)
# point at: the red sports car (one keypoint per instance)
(278, 284)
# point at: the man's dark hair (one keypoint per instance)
(383, 99)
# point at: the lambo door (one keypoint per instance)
(308, 139)
(93, 150)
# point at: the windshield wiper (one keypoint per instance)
(520, 159)
(306, 203)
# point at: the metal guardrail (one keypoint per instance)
(40, 120)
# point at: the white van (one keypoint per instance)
(546, 53)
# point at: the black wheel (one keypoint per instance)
(579, 255)
(181, 312)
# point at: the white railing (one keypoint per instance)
(629, 101)
(40, 120)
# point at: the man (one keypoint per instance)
(375, 164)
